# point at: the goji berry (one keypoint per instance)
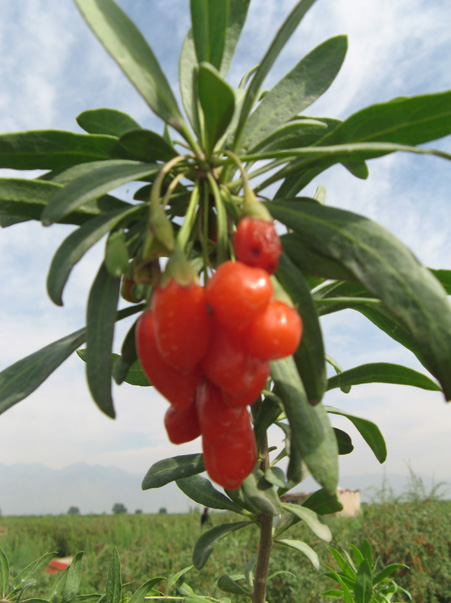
(256, 243)
(228, 363)
(275, 333)
(251, 394)
(182, 324)
(237, 292)
(230, 460)
(215, 419)
(178, 388)
(182, 425)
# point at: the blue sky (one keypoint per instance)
(52, 68)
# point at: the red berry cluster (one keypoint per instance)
(207, 350)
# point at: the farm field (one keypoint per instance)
(417, 534)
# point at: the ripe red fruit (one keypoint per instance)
(182, 425)
(230, 460)
(215, 419)
(237, 292)
(182, 324)
(257, 243)
(178, 388)
(275, 333)
(228, 363)
(251, 394)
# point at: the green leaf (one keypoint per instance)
(101, 318)
(205, 544)
(209, 20)
(363, 589)
(124, 42)
(282, 36)
(381, 372)
(297, 90)
(323, 503)
(309, 356)
(261, 493)
(268, 411)
(365, 549)
(387, 572)
(299, 132)
(147, 146)
(310, 518)
(114, 581)
(345, 567)
(444, 278)
(276, 477)
(4, 573)
(52, 149)
(368, 430)
(311, 432)
(24, 376)
(26, 199)
(140, 595)
(303, 548)
(74, 248)
(201, 491)
(188, 81)
(106, 121)
(237, 17)
(173, 579)
(218, 103)
(128, 358)
(73, 579)
(344, 442)
(402, 121)
(346, 593)
(387, 269)
(103, 177)
(169, 470)
(229, 585)
(31, 570)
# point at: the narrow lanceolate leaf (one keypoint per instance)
(170, 470)
(145, 145)
(382, 372)
(101, 317)
(311, 431)
(201, 491)
(309, 356)
(103, 177)
(261, 493)
(229, 585)
(363, 589)
(4, 573)
(26, 200)
(106, 121)
(139, 596)
(126, 45)
(74, 247)
(205, 544)
(402, 121)
(218, 103)
(303, 548)
(188, 68)
(237, 17)
(209, 19)
(368, 430)
(282, 36)
(296, 91)
(387, 269)
(52, 149)
(73, 579)
(21, 378)
(345, 445)
(32, 570)
(310, 518)
(114, 581)
(323, 503)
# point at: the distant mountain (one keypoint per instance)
(38, 490)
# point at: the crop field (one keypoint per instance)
(418, 535)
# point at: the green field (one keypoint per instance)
(418, 535)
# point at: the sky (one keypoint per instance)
(52, 68)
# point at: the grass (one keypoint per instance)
(415, 533)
